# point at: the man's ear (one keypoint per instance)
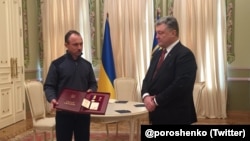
(174, 33)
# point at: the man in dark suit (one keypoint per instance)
(167, 90)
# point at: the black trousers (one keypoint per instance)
(69, 124)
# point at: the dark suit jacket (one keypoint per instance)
(172, 87)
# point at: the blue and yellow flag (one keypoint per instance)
(155, 44)
(155, 41)
(107, 69)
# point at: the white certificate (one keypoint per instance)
(94, 105)
(85, 103)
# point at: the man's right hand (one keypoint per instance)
(53, 104)
(149, 103)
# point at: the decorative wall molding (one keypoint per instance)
(238, 79)
(230, 8)
(235, 69)
(32, 70)
(96, 8)
(40, 32)
(25, 34)
(239, 68)
(165, 7)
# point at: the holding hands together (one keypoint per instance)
(149, 103)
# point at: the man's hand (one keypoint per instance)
(149, 103)
(89, 90)
(53, 104)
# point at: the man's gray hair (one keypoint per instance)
(171, 23)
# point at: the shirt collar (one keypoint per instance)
(169, 48)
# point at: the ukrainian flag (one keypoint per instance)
(155, 44)
(155, 41)
(107, 68)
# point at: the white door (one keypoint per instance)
(12, 97)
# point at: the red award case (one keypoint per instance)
(83, 102)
